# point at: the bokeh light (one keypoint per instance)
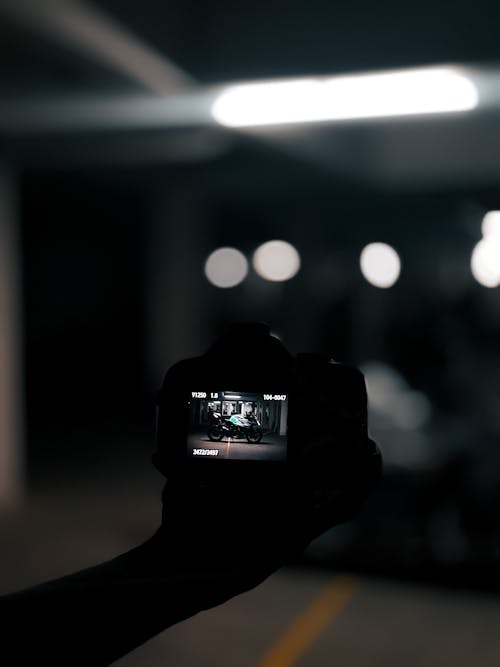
(392, 401)
(226, 267)
(380, 264)
(276, 260)
(485, 261)
(491, 224)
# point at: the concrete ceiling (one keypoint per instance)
(64, 51)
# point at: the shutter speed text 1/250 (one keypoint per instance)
(215, 395)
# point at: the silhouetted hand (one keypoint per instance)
(226, 538)
(215, 540)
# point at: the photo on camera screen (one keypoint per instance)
(237, 425)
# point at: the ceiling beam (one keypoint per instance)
(90, 31)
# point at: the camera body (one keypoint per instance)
(227, 414)
(247, 412)
(264, 438)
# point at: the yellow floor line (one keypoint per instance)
(296, 639)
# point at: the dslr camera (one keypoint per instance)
(249, 414)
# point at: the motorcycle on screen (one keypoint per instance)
(236, 426)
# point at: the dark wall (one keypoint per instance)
(83, 283)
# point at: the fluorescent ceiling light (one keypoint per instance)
(397, 93)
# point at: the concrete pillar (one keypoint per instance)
(11, 411)
(177, 301)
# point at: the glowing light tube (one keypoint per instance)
(396, 93)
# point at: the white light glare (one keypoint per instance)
(485, 261)
(226, 267)
(491, 224)
(380, 264)
(276, 260)
(396, 93)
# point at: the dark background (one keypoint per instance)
(115, 221)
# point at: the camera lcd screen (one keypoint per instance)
(237, 425)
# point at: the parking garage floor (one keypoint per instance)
(305, 617)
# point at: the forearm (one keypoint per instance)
(96, 616)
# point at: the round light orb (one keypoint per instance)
(491, 224)
(226, 267)
(380, 264)
(276, 261)
(485, 262)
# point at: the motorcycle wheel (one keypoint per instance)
(215, 433)
(254, 435)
